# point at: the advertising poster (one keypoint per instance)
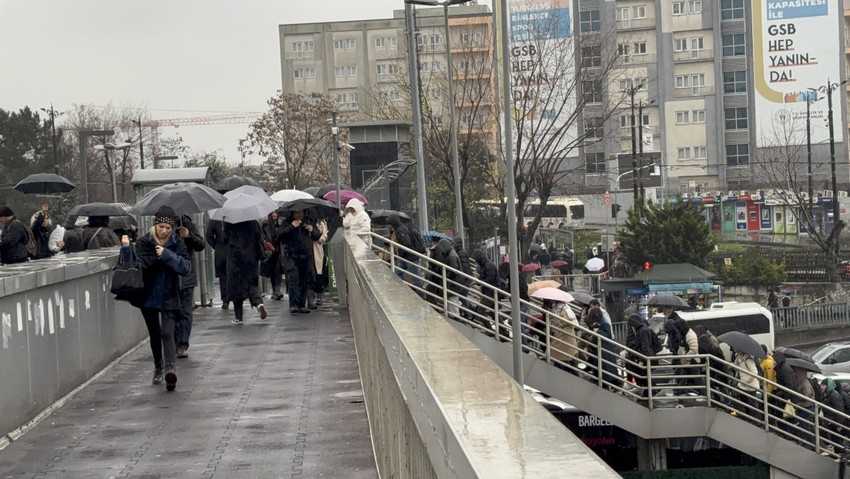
(796, 47)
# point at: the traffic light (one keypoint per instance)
(615, 208)
(647, 265)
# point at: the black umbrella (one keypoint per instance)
(671, 300)
(379, 217)
(44, 183)
(122, 222)
(803, 364)
(581, 297)
(184, 198)
(325, 189)
(97, 209)
(233, 182)
(312, 190)
(743, 343)
(794, 353)
(313, 207)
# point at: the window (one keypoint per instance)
(380, 42)
(593, 128)
(595, 162)
(304, 73)
(384, 70)
(589, 21)
(697, 82)
(623, 14)
(700, 152)
(731, 9)
(679, 8)
(697, 43)
(737, 155)
(683, 153)
(350, 44)
(695, 6)
(640, 11)
(629, 83)
(301, 47)
(683, 117)
(434, 41)
(346, 71)
(592, 91)
(680, 44)
(339, 44)
(735, 82)
(436, 92)
(591, 57)
(624, 49)
(736, 118)
(698, 116)
(437, 121)
(349, 100)
(391, 95)
(640, 48)
(681, 81)
(734, 45)
(626, 120)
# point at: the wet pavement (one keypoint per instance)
(279, 398)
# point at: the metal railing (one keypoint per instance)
(814, 315)
(655, 382)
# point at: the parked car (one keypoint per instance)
(833, 357)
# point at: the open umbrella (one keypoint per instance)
(313, 207)
(44, 183)
(233, 182)
(244, 208)
(557, 263)
(325, 189)
(546, 283)
(97, 209)
(312, 190)
(184, 198)
(581, 297)
(379, 216)
(743, 343)
(122, 222)
(530, 267)
(794, 353)
(283, 196)
(247, 190)
(803, 364)
(671, 300)
(345, 196)
(553, 294)
(427, 235)
(594, 264)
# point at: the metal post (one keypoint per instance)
(508, 149)
(141, 146)
(453, 131)
(634, 148)
(835, 209)
(641, 195)
(84, 165)
(416, 99)
(111, 176)
(335, 133)
(55, 151)
(809, 154)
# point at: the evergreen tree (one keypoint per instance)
(671, 233)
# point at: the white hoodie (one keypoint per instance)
(359, 222)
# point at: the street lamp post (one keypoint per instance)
(53, 114)
(107, 147)
(84, 165)
(141, 143)
(416, 99)
(335, 146)
(640, 150)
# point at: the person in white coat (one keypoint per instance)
(357, 221)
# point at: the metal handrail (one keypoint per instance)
(700, 379)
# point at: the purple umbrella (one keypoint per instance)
(345, 196)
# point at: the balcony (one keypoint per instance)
(693, 91)
(636, 24)
(693, 55)
(634, 59)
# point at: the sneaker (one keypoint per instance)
(303, 310)
(182, 353)
(278, 296)
(225, 305)
(157, 377)
(236, 321)
(263, 313)
(294, 310)
(170, 378)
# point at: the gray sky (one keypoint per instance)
(176, 58)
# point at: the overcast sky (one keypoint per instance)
(176, 58)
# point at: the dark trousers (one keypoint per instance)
(183, 326)
(160, 325)
(222, 287)
(254, 299)
(297, 279)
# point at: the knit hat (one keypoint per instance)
(165, 214)
(6, 211)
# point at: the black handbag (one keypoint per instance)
(127, 279)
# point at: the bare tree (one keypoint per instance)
(783, 167)
(295, 138)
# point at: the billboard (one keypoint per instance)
(796, 47)
(542, 56)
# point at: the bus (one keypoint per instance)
(749, 318)
(560, 212)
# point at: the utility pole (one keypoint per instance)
(809, 153)
(453, 132)
(416, 99)
(836, 217)
(642, 194)
(634, 148)
(335, 135)
(141, 144)
(53, 115)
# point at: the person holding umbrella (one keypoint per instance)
(164, 261)
(41, 227)
(183, 327)
(320, 273)
(297, 239)
(271, 268)
(215, 238)
(13, 241)
(98, 235)
(243, 250)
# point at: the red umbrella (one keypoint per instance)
(530, 267)
(345, 196)
(557, 263)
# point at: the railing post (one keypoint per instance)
(445, 282)
(816, 427)
(649, 381)
(765, 406)
(708, 381)
(599, 360)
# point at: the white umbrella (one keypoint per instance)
(244, 207)
(285, 196)
(247, 190)
(595, 264)
(553, 294)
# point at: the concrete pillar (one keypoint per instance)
(652, 454)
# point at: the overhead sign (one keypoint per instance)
(648, 165)
(796, 47)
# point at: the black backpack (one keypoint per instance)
(657, 345)
(417, 243)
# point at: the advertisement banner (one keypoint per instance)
(796, 49)
(543, 73)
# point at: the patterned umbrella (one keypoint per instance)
(427, 235)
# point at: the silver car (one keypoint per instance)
(833, 357)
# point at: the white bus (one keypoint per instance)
(559, 212)
(749, 318)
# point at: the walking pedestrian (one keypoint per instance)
(164, 260)
(183, 328)
(319, 273)
(408, 261)
(272, 268)
(41, 227)
(215, 238)
(297, 237)
(13, 241)
(357, 221)
(244, 249)
(97, 234)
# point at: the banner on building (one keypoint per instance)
(797, 49)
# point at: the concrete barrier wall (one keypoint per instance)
(439, 407)
(60, 326)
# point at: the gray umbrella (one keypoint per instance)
(233, 182)
(184, 198)
(743, 343)
(794, 353)
(44, 183)
(802, 364)
(244, 208)
(671, 300)
(97, 209)
(313, 207)
(581, 297)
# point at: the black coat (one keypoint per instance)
(640, 341)
(13, 243)
(487, 273)
(784, 374)
(164, 274)
(215, 238)
(242, 252)
(99, 237)
(271, 234)
(297, 243)
(443, 253)
(41, 234)
(194, 243)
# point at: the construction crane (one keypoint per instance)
(227, 119)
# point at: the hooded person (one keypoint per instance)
(243, 249)
(443, 254)
(164, 260)
(357, 221)
(489, 275)
(194, 244)
(98, 234)
(640, 341)
(831, 397)
(14, 239)
(296, 239)
(42, 227)
(403, 236)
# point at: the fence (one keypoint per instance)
(800, 265)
